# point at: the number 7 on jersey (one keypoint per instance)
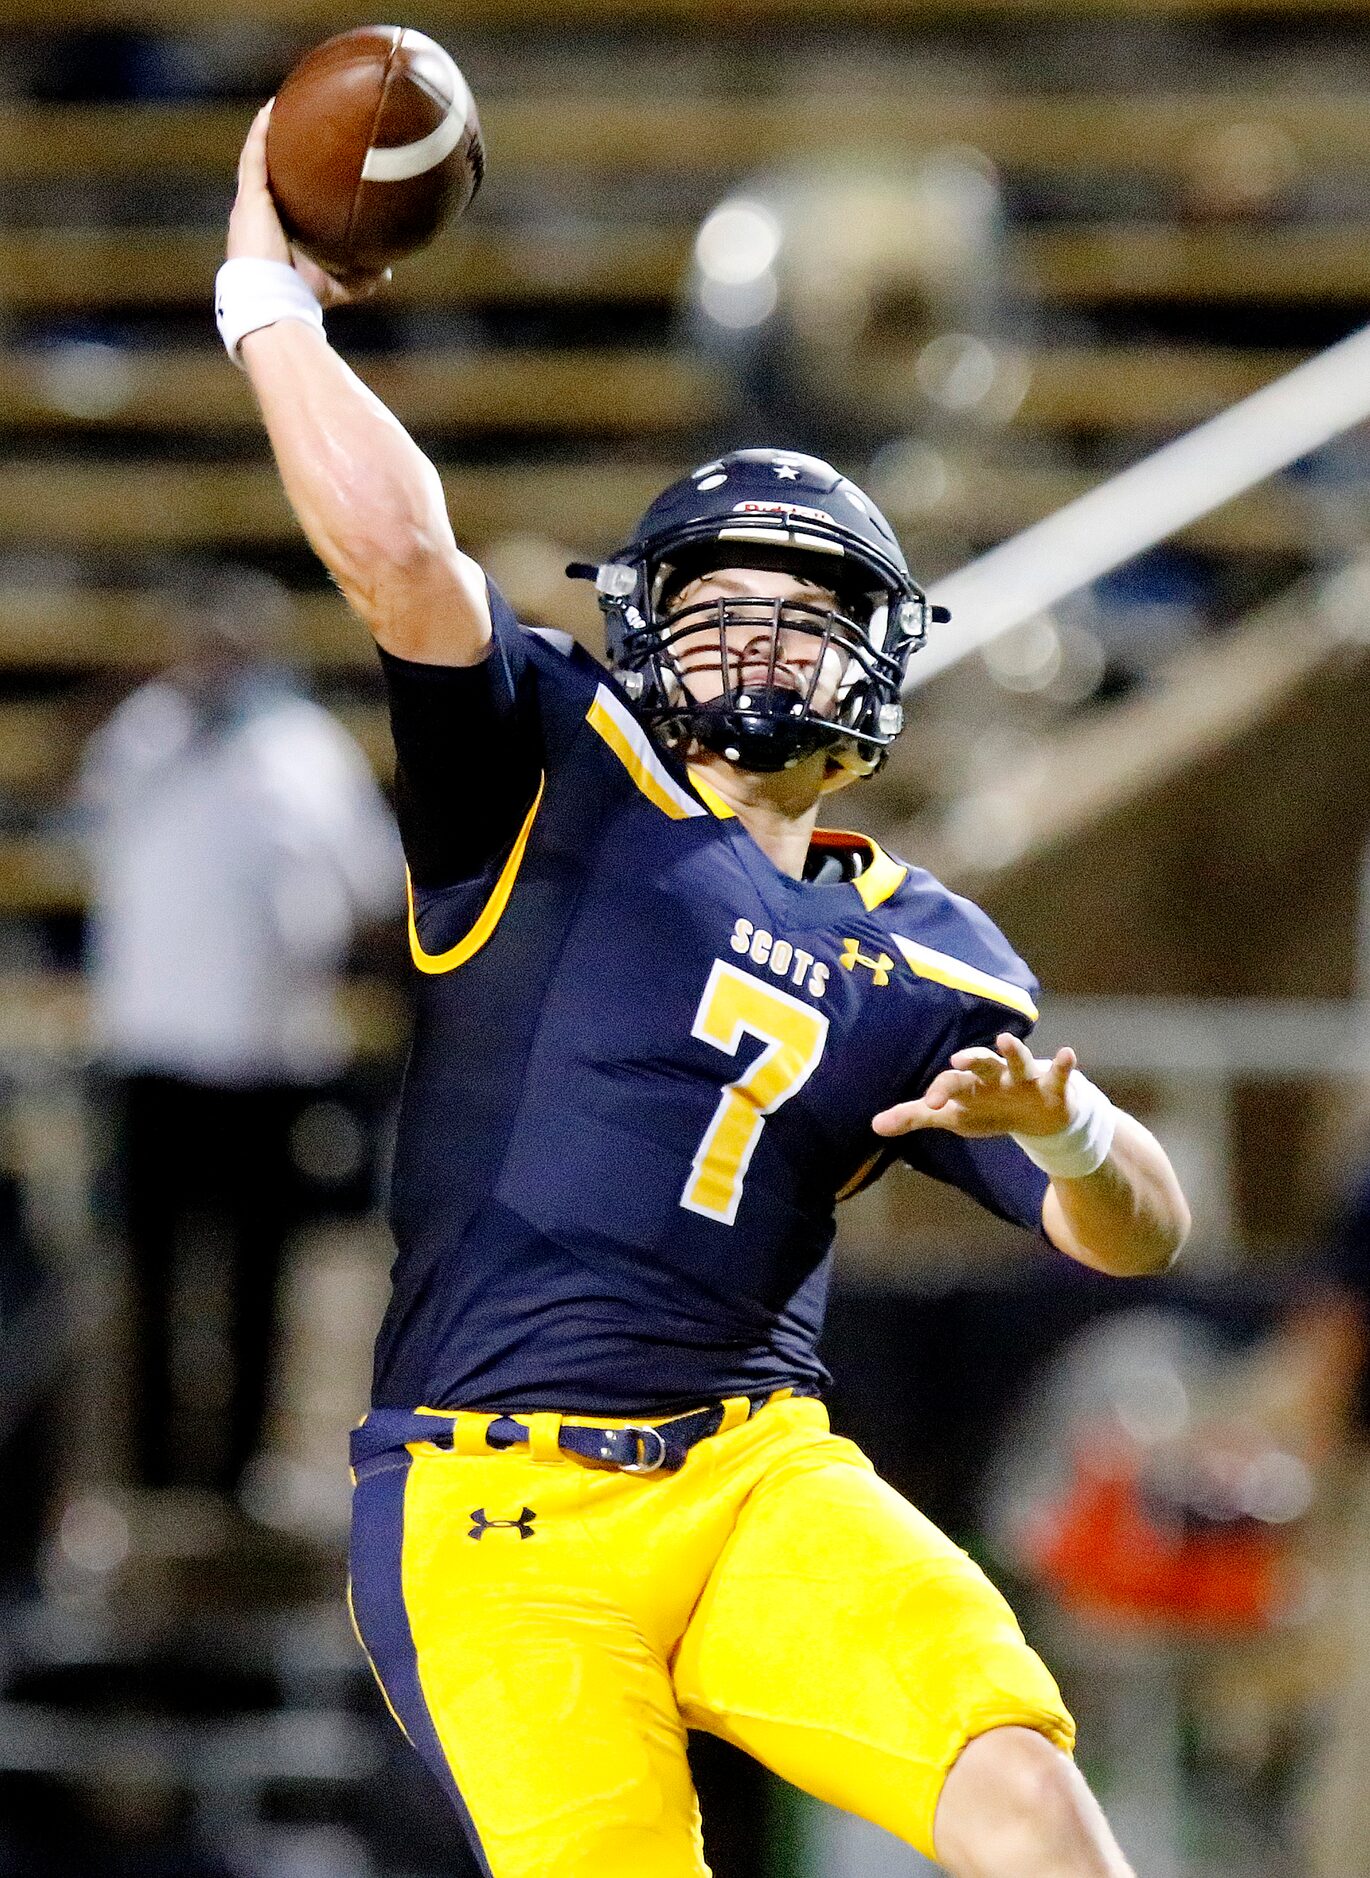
(735, 1005)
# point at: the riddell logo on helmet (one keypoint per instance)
(780, 508)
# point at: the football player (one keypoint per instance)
(665, 1023)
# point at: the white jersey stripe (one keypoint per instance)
(634, 749)
(943, 969)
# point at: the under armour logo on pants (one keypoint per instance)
(480, 1524)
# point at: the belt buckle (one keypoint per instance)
(650, 1459)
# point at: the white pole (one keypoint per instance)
(1134, 510)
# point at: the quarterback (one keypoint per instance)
(665, 1023)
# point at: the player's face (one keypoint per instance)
(749, 631)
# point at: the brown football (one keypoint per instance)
(372, 144)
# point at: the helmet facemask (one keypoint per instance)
(793, 677)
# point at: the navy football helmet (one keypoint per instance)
(770, 509)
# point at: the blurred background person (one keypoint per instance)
(237, 840)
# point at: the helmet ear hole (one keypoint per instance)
(668, 583)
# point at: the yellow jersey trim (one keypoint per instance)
(881, 879)
(490, 913)
(633, 748)
(942, 969)
(710, 796)
(861, 1176)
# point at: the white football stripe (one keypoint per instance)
(398, 162)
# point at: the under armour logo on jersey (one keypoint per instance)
(481, 1524)
(879, 967)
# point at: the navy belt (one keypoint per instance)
(631, 1448)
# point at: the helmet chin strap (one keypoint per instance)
(847, 765)
(750, 726)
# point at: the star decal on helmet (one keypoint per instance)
(787, 472)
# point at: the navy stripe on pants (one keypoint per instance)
(375, 1567)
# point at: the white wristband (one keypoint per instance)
(250, 293)
(1082, 1145)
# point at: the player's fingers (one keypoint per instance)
(1058, 1073)
(951, 1085)
(325, 289)
(952, 1118)
(906, 1118)
(919, 1112)
(986, 1064)
(1022, 1065)
(364, 289)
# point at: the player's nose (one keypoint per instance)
(786, 649)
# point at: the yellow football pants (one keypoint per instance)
(546, 1631)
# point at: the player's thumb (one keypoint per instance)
(252, 161)
(902, 1119)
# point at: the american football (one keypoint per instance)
(374, 143)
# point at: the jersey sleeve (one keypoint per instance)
(994, 1172)
(988, 989)
(473, 743)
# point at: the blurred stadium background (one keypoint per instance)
(984, 253)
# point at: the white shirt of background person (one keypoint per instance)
(233, 857)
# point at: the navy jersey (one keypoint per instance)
(645, 1061)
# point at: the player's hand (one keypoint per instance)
(254, 227)
(1003, 1091)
